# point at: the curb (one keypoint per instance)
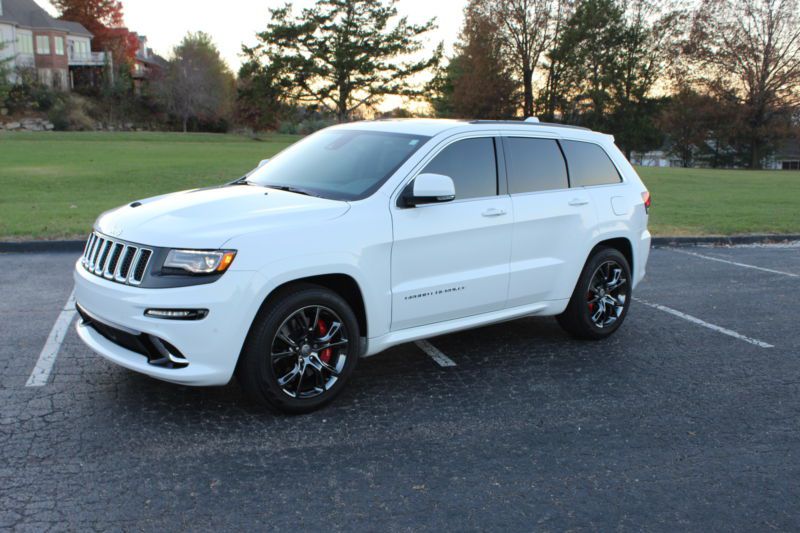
(657, 242)
(733, 240)
(42, 246)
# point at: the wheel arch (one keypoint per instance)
(621, 244)
(342, 284)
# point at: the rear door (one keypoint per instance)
(552, 223)
(450, 260)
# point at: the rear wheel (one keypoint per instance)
(301, 350)
(602, 296)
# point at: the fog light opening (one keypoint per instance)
(177, 314)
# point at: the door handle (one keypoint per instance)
(494, 212)
(575, 202)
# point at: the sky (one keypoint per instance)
(233, 22)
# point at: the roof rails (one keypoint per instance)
(529, 122)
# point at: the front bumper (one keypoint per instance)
(211, 346)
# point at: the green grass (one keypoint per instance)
(722, 202)
(53, 185)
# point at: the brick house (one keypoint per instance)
(58, 50)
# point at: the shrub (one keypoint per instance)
(72, 112)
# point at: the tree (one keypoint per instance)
(258, 99)
(606, 58)
(477, 82)
(525, 28)
(104, 19)
(197, 83)
(753, 47)
(551, 98)
(342, 56)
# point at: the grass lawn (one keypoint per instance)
(722, 202)
(53, 185)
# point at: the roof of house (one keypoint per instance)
(788, 149)
(28, 14)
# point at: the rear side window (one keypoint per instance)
(471, 163)
(589, 164)
(534, 165)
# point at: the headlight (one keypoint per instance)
(200, 261)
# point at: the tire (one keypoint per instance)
(597, 308)
(285, 363)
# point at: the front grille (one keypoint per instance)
(115, 260)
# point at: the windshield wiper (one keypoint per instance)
(295, 190)
(241, 181)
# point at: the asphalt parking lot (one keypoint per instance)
(687, 419)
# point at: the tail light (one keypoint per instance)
(647, 200)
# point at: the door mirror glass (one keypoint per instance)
(429, 189)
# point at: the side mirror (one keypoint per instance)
(262, 163)
(429, 189)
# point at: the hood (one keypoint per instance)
(207, 218)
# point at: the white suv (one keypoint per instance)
(361, 237)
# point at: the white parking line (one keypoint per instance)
(41, 372)
(695, 320)
(435, 354)
(744, 265)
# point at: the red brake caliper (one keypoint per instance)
(589, 296)
(324, 355)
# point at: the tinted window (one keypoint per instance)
(589, 164)
(471, 164)
(338, 163)
(534, 165)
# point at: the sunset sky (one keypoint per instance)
(233, 22)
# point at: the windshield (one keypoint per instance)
(338, 164)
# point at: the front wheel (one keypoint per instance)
(602, 296)
(301, 350)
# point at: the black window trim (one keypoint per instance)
(435, 151)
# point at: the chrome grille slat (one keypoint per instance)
(97, 245)
(102, 257)
(115, 260)
(127, 253)
(132, 268)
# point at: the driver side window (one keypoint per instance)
(472, 165)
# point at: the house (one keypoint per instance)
(655, 158)
(147, 65)
(57, 50)
(786, 156)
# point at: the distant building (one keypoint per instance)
(786, 157)
(655, 158)
(58, 50)
(148, 66)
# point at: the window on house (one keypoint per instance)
(59, 45)
(43, 45)
(25, 43)
(534, 165)
(589, 164)
(471, 164)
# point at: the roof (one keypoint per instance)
(788, 149)
(432, 127)
(28, 14)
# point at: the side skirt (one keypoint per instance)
(378, 344)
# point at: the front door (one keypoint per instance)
(450, 260)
